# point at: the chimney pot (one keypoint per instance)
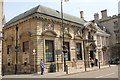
(96, 17)
(81, 14)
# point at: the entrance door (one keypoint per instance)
(91, 55)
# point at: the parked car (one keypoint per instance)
(115, 61)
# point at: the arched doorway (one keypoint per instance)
(91, 50)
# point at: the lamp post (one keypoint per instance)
(34, 53)
(63, 35)
(64, 50)
(16, 50)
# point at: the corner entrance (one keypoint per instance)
(92, 55)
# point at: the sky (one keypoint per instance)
(13, 8)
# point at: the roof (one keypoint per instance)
(100, 31)
(46, 11)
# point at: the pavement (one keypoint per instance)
(56, 74)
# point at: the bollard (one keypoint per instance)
(66, 69)
(99, 65)
(3, 70)
(109, 63)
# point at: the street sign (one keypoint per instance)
(34, 53)
(16, 50)
(16, 47)
(94, 51)
(34, 50)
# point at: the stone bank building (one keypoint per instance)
(40, 28)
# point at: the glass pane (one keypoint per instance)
(9, 49)
(25, 46)
(67, 55)
(49, 51)
(79, 51)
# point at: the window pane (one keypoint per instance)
(25, 46)
(102, 40)
(9, 49)
(106, 40)
(79, 51)
(67, 55)
(98, 40)
(49, 49)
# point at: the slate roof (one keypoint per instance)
(100, 31)
(46, 11)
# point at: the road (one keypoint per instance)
(102, 73)
(111, 73)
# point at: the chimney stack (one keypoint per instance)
(81, 14)
(96, 17)
(104, 14)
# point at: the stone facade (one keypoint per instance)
(44, 33)
(1, 15)
(116, 47)
(102, 49)
(109, 25)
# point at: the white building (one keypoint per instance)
(102, 42)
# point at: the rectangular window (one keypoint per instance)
(89, 36)
(79, 51)
(9, 49)
(25, 46)
(103, 41)
(98, 40)
(106, 40)
(49, 50)
(67, 55)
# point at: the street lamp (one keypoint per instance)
(63, 35)
(16, 50)
(64, 51)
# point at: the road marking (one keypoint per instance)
(105, 75)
